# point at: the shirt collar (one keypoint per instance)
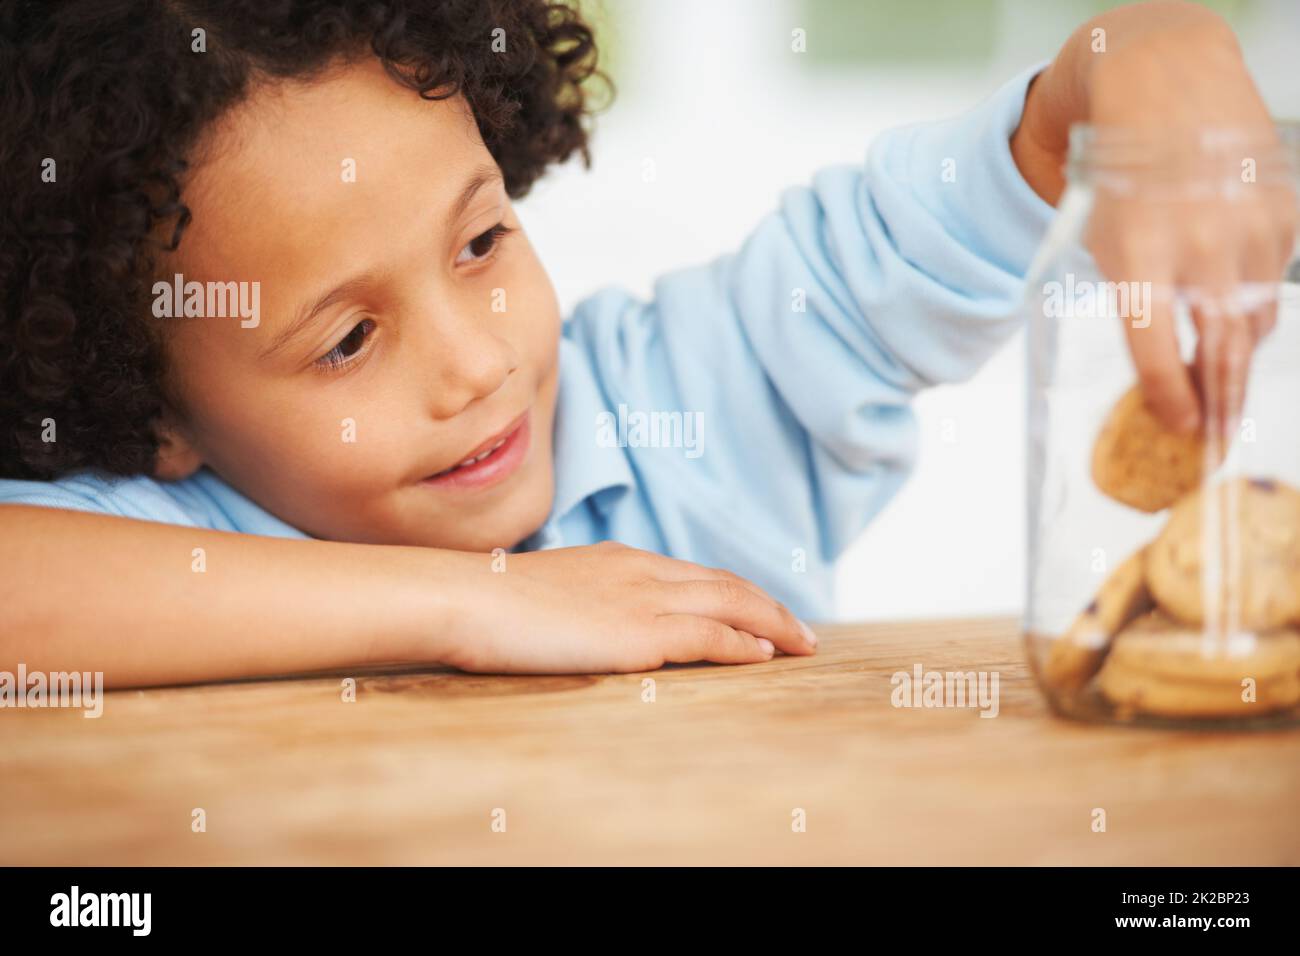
(582, 467)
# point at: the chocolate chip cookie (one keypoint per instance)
(1159, 666)
(1139, 462)
(1077, 654)
(1257, 522)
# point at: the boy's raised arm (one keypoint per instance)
(799, 354)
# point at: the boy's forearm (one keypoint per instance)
(135, 600)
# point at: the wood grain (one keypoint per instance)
(587, 771)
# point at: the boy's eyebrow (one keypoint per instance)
(480, 177)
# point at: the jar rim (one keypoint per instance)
(1186, 153)
(1083, 134)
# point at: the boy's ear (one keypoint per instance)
(177, 456)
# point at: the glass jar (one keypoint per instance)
(1163, 582)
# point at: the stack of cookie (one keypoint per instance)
(1150, 642)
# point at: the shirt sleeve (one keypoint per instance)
(102, 494)
(800, 352)
(203, 500)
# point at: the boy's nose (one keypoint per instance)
(471, 362)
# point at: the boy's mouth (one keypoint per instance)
(490, 462)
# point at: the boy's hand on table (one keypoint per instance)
(608, 607)
(1167, 71)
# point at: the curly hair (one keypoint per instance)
(100, 102)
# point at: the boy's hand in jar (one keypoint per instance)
(1213, 223)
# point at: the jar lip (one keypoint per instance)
(1189, 159)
(1089, 137)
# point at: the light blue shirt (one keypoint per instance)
(789, 366)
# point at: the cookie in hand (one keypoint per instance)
(1139, 462)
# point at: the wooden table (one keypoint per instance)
(587, 770)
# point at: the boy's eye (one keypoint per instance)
(482, 246)
(348, 346)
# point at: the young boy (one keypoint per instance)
(285, 387)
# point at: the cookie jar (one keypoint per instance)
(1163, 572)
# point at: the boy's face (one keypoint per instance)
(347, 200)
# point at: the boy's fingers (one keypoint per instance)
(733, 604)
(663, 568)
(1223, 358)
(1263, 321)
(690, 638)
(678, 571)
(675, 569)
(1167, 384)
(1262, 273)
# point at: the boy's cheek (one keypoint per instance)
(340, 452)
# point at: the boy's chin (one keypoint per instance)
(505, 528)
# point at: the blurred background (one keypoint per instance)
(711, 93)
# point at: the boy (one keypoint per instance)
(285, 387)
